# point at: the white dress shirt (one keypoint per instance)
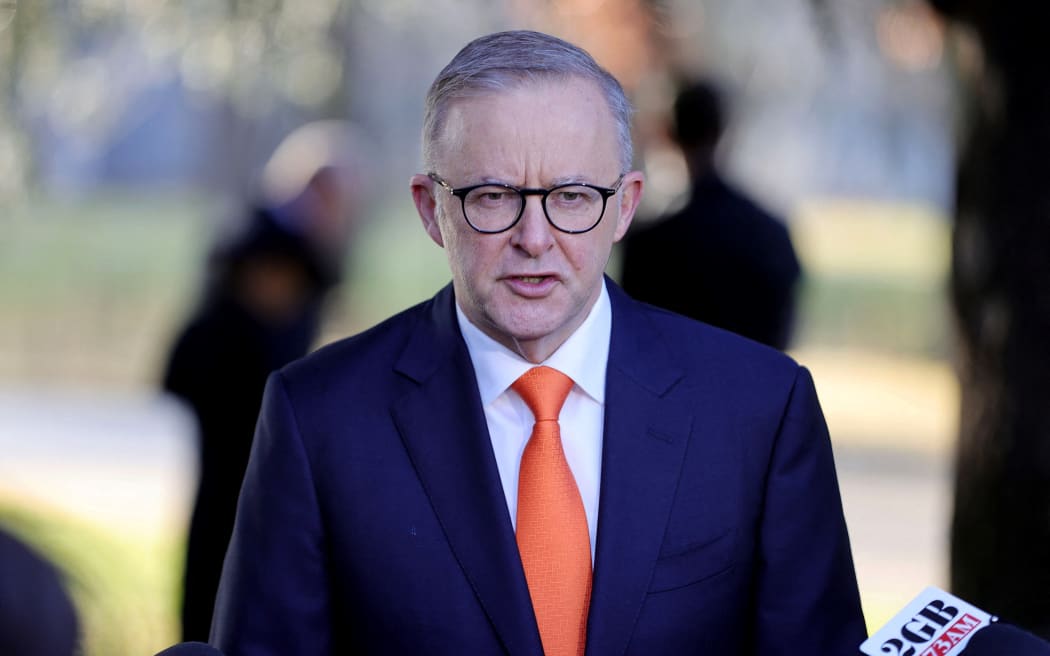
(583, 357)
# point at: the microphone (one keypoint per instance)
(1001, 639)
(190, 649)
(937, 623)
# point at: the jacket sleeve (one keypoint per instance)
(274, 595)
(807, 596)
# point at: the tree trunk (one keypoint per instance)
(1000, 287)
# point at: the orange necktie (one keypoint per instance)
(552, 529)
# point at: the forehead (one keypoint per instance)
(544, 124)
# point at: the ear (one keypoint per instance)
(630, 196)
(426, 204)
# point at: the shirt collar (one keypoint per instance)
(583, 357)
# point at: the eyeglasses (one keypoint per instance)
(494, 207)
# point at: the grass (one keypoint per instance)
(125, 591)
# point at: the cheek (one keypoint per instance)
(466, 253)
(588, 255)
(451, 234)
(582, 259)
(455, 240)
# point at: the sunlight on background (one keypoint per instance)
(875, 333)
(130, 129)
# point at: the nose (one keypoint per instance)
(533, 233)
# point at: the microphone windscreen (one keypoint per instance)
(935, 623)
(190, 649)
(1005, 640)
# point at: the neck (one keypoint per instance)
(535, 351)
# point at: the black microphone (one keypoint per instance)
(1002, 639)
(190, 649)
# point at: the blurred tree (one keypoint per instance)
(1000, 286)
(14, 163)
(76, 78)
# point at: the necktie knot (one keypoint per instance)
(544, 390)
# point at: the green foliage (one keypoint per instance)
(907, 318)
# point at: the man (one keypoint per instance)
(261, 309)
(732, 262)
(396, 501)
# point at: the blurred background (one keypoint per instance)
(129, 130)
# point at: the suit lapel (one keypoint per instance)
(442, 425)
(644, 445)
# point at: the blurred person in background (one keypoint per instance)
(266, 286)
(532, 462)
(721, 258)
(37, 615)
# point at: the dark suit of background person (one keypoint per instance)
(373, 518)
(37, 616)
(262, 308)
(721, 258)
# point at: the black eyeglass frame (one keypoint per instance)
(523, 192)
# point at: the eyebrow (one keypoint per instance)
(556, 182)
(569, 179)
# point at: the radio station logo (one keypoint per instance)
(935, 623)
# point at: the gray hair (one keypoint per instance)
(507, 59)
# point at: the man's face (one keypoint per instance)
(531, 286)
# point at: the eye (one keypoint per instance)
(575, 196)
(489, 197)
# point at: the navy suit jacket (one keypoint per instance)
(372, 517)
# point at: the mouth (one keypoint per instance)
(534, 286)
